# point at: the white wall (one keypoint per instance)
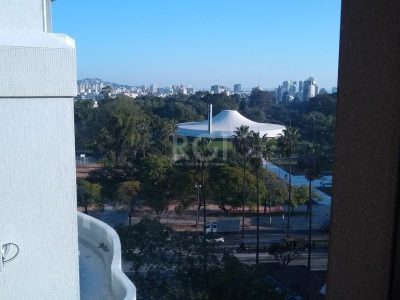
(21, 15)
(38, 206)
(37, 156)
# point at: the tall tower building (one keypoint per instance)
(153, 89)
(310, 89)
(286, 85)
(279, 93)
(237, 88)
(293, 88)
(300, 86)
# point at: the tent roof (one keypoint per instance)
(224, 125)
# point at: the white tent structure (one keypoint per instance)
(224, 124)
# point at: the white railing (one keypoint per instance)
(104, 241)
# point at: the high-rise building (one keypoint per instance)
(153, 89)
(293, 88)
(218, 89)
(310, 89)
(237, 88)
(286, 85)
(279, 92)
(334, 90)
(190, 90)
(286, 98)
(300, 86)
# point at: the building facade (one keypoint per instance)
(37, 165)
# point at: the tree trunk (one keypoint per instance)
(258, 216)
(290, 198)
(244, 193)
(265, 206)
(198, 206)
(269, 211)
(131, 214)
(86, 208)
(143, 147)
(204, 226)
(309, 226)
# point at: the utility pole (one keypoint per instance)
(309, 226)
(258, 213)
(198, 186)
(290, 185)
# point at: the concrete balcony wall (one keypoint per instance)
(92, 234)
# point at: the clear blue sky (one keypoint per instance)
(203, 42)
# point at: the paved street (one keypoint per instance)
(273, 229)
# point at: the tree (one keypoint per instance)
(171, 264)
(260, 99)
(157, 199)
(242, 145)
(312, 171)
(267, 153)
(287, 145)
(125, 196)
(118, 136)
(225, 188)
(324, 103)
(143, 128)
(277, 191)
(256, 147)
(106, 92)
(181, 183)
(88, 193)
(162, 130)
(202, 148)
(154, 169)
(284, 253)
(85, 114)
(299, 196)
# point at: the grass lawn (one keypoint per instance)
(219, 144)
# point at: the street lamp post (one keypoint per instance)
(198, 186)
(309, 228)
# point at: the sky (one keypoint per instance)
(203, 42)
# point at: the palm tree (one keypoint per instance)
(287, 144)
(267, 153)
(241, 143)
(256, 148)
(312, 170)
(202, 149)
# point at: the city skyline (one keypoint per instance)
(303, 90)
(203, 43)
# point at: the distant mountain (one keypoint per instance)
(105, 83)
(90, 81)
